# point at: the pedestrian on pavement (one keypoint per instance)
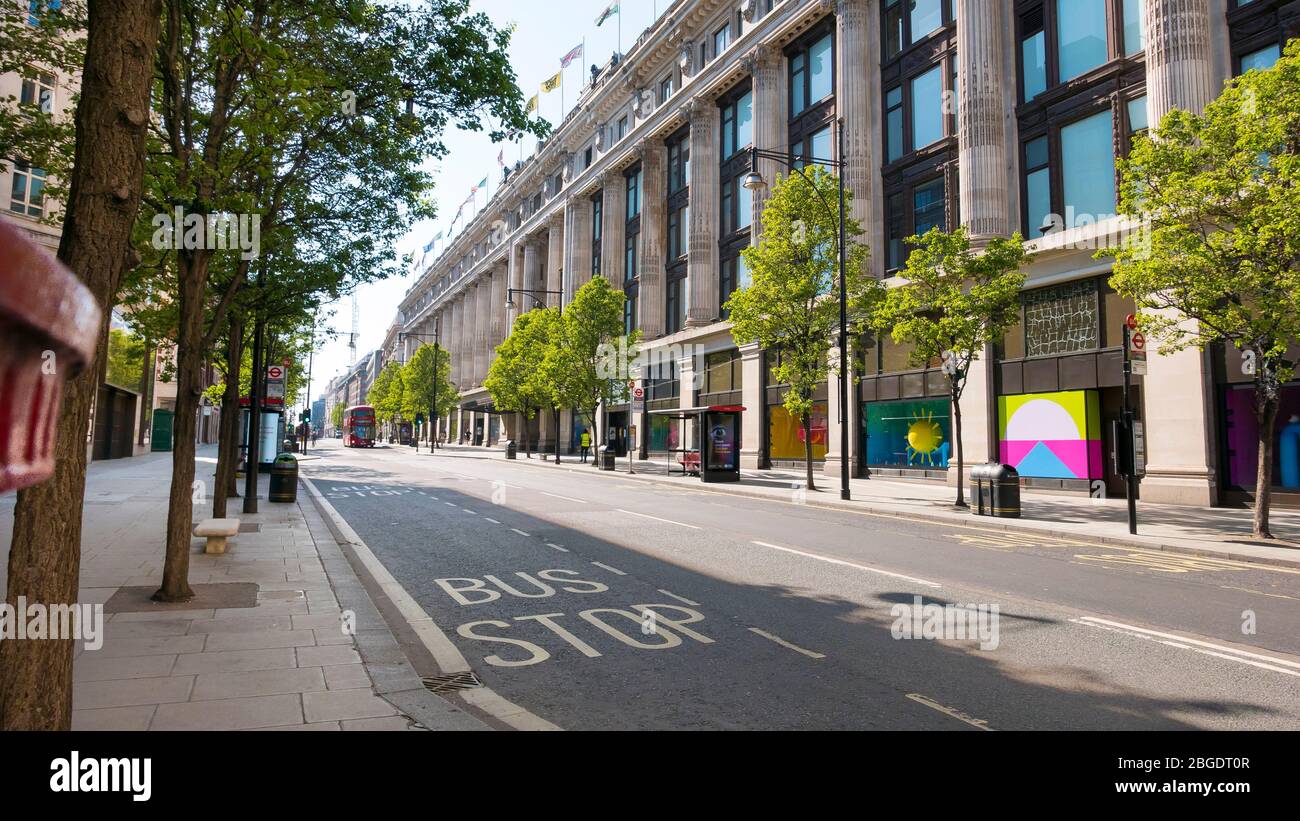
(585, 444)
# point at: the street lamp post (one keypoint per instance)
(755, 182)
(510, 304)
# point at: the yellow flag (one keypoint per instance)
(532, 105)
(553, 83)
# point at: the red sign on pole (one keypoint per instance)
(274, 372)
(1131, 322)
(1139, 342)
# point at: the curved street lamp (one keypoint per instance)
(754, 182)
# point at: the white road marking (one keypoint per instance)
(470, 512)
(1277, 665)
(565, 498)
(657, 519)
(489, 519)
(843, 563)
(957, 714)
(613, 570)
(787, 645)
(421, 492)
(681, 599)
(449, 504)
(520, 532)
(557, 547)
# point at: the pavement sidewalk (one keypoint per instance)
(1220, 533)
(261, 647)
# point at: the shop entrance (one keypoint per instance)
(616, 432)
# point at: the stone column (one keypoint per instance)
(983, 91)
(451, 339)
(1177, 392)
(532, 276)
(555, 259)
(577, 245)
(613, 227)
(702, 262)
(482, 326)
(650, 242)
(470, 335)
(515, 281)
(497, 306)
(771, 133)
(754, 398)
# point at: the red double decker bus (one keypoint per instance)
(359, 427)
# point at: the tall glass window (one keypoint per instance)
(1033, 64)
(821, 70)
(926, 16)
(894, 124)
(1263, 59)
(1087, 169)
(893, 28)
(737, 125)
(1080, 36)
(927, 207)
(1134, 33)
(1038, 186)
(927, 108)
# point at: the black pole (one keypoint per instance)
(1130, 468)
(433, 406)
(255, 406)
(845, 360)
(311, 359)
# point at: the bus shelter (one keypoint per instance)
(716, 430)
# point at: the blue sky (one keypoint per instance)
(544, 32)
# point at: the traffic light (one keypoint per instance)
(419, 418)
(305, 416)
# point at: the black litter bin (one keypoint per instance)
(512, 451)
(284, 479)
(605, 458)
(995, 491)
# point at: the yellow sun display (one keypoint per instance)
(924, 438)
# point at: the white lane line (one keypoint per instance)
(843, 563)
(490, 519)
(681, 599)
(520, 532)
(449, 504)
(557, 547)
(613, 570)
(565, 498)
(421, 492)
(787, 645)
(957, 714)
(470, 512)
(656, 518)
(1277, 665)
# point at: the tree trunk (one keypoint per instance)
(45, 552)
(189, 366)
(1266, 418)
(961, 465)
(225, 486)
(808, 450)
(147, 371)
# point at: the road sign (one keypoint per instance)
(1131, 322)
(1139, 342)
(274, 373)
(638, 393)
(275, 390)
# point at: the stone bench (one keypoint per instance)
(216, 531)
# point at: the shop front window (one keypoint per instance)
(914, 434)
(786, 435)
(1242, 438)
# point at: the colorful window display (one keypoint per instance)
(664, 433)
(1243, 438)
(1052, 435)
(914, 434)
(785, 435)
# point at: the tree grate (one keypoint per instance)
(451, 683)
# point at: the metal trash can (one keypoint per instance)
(605, 458)
(284, 479)
(995, 491)
(512, 450)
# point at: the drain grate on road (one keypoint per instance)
(451, 683)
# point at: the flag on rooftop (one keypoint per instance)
(607, 13)
(552, 83)
(571, 56)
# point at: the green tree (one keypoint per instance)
(336, 415)
(791, 307)
(1219, 259)
(126, 358)
(591, 363)
(418, 385)
(955, 301)
(385, 395)
(517, 380)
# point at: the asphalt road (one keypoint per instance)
(599, 602)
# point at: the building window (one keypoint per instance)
(1062, 319)
(622, 127)
(629, 315)
(665, 90)
(1088, 169)
(634, 195)
(917, 113)
(597, 231)
(39, 92)
(721, 40)
(1080, 37)
(27, 195)
(908, 23)
(679, 164)
(1033, 56)
(927, 108)
(734, 276)
(679, 220)
(1038, 186)
(816, 146)
(737, 125)
(812, 74)
(737, 206)
(629, 259)
(675, 307)
(1134, 27)
(586, 159)
(894, 124)
(1263, 59)
(912, 212)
